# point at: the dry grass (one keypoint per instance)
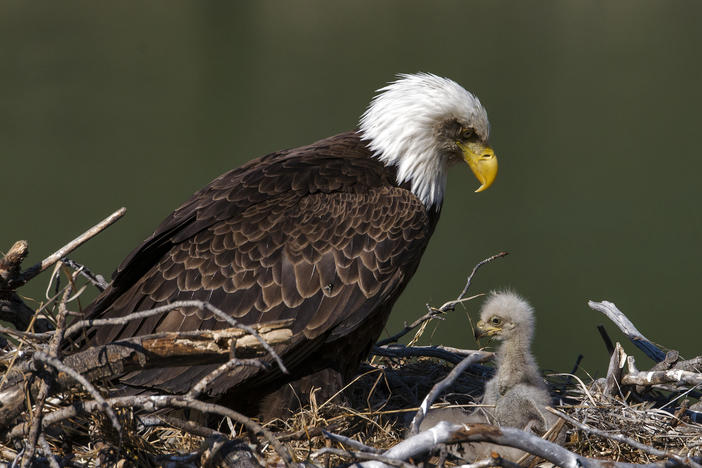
(375, 409)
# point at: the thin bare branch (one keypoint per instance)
(33, 271)
(478, 356)
(103, 406)
(154, 402)
(73, 329)
(452, 355)
(436, 313)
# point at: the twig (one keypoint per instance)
(444, 432)
(46, 448)
(103, 405)
(478, 356)
(628, 328)
(452, 355)
(154, 402)
(97, 280)
(33, 271)
(475, 268)
(620, 438)
(201, 386)
(178, 305)
(435, 313)
(47, 381)
(350, 442)
(386, 461)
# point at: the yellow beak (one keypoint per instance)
(482, 161)
(483, 329)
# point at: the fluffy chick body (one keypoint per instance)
(517, 390)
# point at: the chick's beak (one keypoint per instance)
(483, 329)
(482, 161)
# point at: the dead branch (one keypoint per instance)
(614, 371)
(47, 382)
(674, 376)
(452, 355)
(104, 407)
(628, 328)
(251, 330)
(436, 313)
(359, 455)
(478, 356)
(145, 352)
(620, 438)
(444, 433)
(152, 403)
(19, 279)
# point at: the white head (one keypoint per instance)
(421, 123)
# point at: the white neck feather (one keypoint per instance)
(401, 126)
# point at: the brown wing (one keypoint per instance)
(309, 235)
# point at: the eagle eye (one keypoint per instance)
(495, 321)
(467, 134)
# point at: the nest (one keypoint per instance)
(640, 417)
(374, 409)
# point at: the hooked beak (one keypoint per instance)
(482, 161)
(483, 329)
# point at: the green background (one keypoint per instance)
(594, 106)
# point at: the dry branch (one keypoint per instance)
(20, 279)
(478, 356)
(436, 313)
(674, 376)
(628, 328)
(151, 351)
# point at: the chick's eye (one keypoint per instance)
(467, 134)
(495, 321)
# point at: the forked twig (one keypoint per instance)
(436, 313)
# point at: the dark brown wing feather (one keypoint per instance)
(321, 234)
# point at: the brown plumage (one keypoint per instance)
(325, 234)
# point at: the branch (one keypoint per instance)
(145, 352)
(33, 271)
(478, 356)
(103, 406)
(445, 433)
(179, 305)
(619, 438)
(452, 355)
(154, 402)
(435, 313)
(676, 376)
(628, 328)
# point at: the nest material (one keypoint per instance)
(375, 410)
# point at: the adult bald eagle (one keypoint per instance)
(328, 234)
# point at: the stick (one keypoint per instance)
(619, 438)
(178, 305)
(154, 402)
(66, 249)
(435, 313)
(452, 355)
(676, 376)
(445, 432)
(628, 328)
(478, 356)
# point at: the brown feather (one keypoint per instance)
(321, 234)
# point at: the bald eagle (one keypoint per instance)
(327, 234)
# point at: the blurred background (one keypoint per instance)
(594, 106)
